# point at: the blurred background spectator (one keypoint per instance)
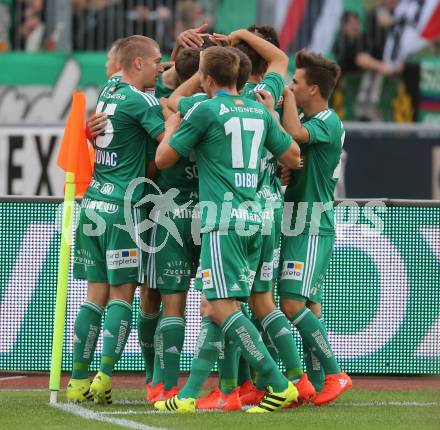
(5, 24)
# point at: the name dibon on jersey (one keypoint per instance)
(246, 180)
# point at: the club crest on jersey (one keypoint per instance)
(223, 110)
(293, 270)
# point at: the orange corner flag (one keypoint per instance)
(74, 156)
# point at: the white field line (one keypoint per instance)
(95, 416)
(10, 378)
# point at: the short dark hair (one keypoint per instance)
(134, 46)
(221, 64)
(267, 32)
(318, 71)
(245, 68)
(187, 63)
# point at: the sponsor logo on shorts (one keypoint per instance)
(84, 257)
(293, 270)
(266, 273)
(122, 258)
(207, 279)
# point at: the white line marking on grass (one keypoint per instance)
(390, 403)
(91, 415)
(151, 412)
(9, 378)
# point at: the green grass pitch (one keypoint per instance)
(357, 410)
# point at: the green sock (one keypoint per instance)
(158, 356)
(117, 326)
(244, 371)
(243, 333)
(87, 328)
(146, 327)
(266, 339)
(173, 331)
(314, 337)
(228, 360)
(315, 371)
(209, 344)
(278, 330)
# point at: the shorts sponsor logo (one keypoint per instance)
(207, 279)
(177, 269)
(293, 270)
(84, 257)
(122, 258)
(266, 273)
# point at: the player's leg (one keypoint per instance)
(274, 323)
(235, 255)
(305, 261)
(124, 272)
(148, 317)
(209, 344)
(88, 264)
(117, 327)
(174, 265)
(314, 369)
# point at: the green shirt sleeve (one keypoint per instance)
(318, 131)
(186, 103)
(274, 84)
(277, 141)
(149, 113)
(161, 90)
(190, 132)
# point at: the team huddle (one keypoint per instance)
(198, 153)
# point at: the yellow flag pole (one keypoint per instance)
(62, 282)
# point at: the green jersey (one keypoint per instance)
(228, 135)
(270, 184)
(184, 175)
(161, 89)
(315, 183)
(134, 121)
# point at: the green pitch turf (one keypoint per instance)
(357, 410)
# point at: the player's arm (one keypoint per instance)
(282, 146)
(277, 60)
(188, 88)
(179, 141)
(167, 156)
(291, 121)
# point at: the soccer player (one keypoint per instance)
(228, 133)
(226, 396)
(306, 256)
(170, 269)
(108, 256)
(269, 66)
